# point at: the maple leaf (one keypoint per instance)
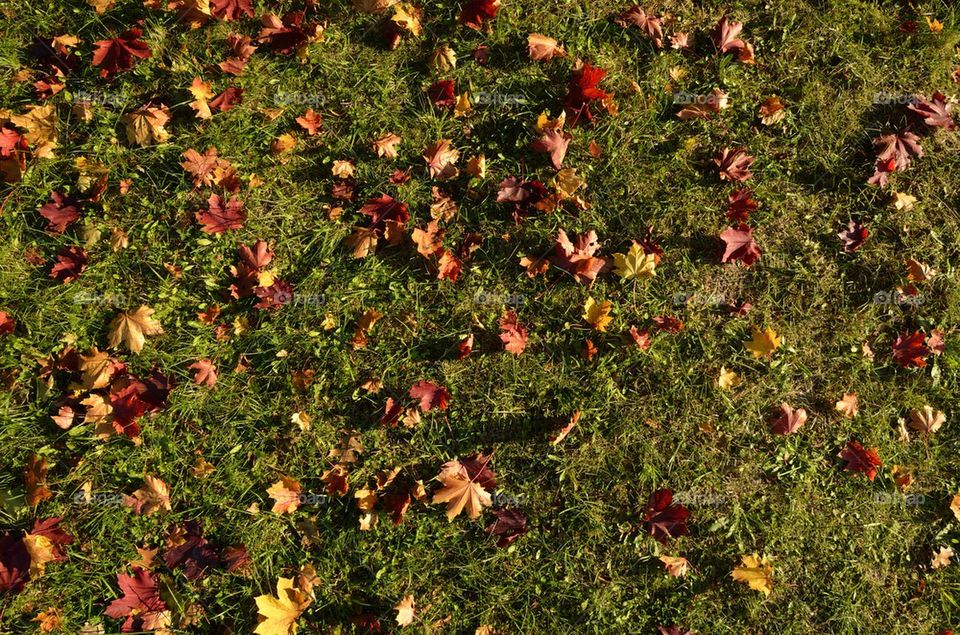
(636, 263)
(583, 89)
(7, 323)
(909, 350)
(475, 12)
(35, 480)
(542, 48)
(465, 486)
(896, 151)
(442, 93)
(553, 142)
(310, 121)
(739, 245)
(853, 236)
(97, 368)
(430, 395)
(383, 210)
(508, 526)
(927, 420)
(755, 572)
(218, 218)
(71, 262)
(285, 494)
(648, 23)
(288, 34)
(229, 98)
(739, 205)
(131, 327)
(440, 159)
(187, 548)
(145, 125)
(935, 112)
(641, 339)
(860, 459)
(386, 145)
(724, 36)
(676, 566)
(728, 379)
(513, 334)
(406, 610)
(935, 342)
(117, 54)
(918, 271)
(204, 166)
(597, 314)
(734, 164)
(201, 94)
(578, 258)
(763, 343)
(229, 10)
(941, 558)
(705, 107)
(789, 420)
(14, 563)
(60, 212)
(665, 520)
(154, 496)
(205, 373)
(278, 614)
(241, 50)
(429, 241)
(465, 347)
(140, 604)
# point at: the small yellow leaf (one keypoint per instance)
(597, 314)
(756, 572)
(763, 343)
(635, 263)
(728, 379)
(279, 615)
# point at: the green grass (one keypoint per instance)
(843, 562)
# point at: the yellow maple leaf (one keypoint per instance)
(597, 314)
(763, 343)
(756, 572)
(97, 369)
(131, 327)
(635, 263)
(279, 614)
(202, 94)
(728, 379)
(41, 125)
(40, 549)
(407, 17)
(462, 107)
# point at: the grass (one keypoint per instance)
(849, 556)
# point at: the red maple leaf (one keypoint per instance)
(668, 323)
(430, 395)
(230, 10)
(853, 236)
(513, 334)
(226, 100)
(909, 350)
(60, 212)
(141, 603)
(14, 563)
(117, 54)
(71, 262)
(935, 112)
(285, 35)
(789, 420)
(384, 209)
(274, 296)
(734, 164)
(391, 413)
(247, 270)
(583, 89)
(860, 459)
(442, 93)
(241, 49)
(187, 548)
(650, 24)
(11, 141)
(896, 151)
(217, 219)
(475, 12)
(127, 407)
(509, 525)
(8, 324)
(579, 257)
(665, 520)
(739, 245)
(739, 205)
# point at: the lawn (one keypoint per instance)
(310, 331)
